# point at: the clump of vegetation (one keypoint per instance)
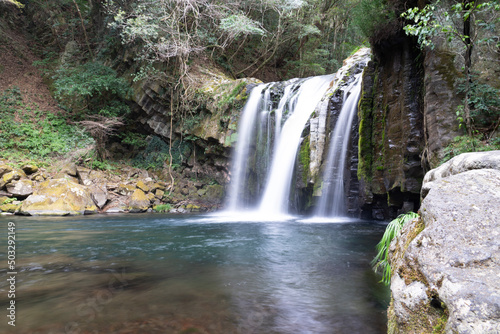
(91, 89)
(464, 144)
(380, 263)
(162, 207)
(154, 156)
(33, 133)
(95, 96)
(8, 200)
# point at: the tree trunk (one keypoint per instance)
(468, 64)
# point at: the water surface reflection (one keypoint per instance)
(196, 274)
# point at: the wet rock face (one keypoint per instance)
(445, 267)
(391, 136)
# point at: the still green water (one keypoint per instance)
(152, 273)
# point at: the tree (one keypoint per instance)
(462, 21)
(299, 36)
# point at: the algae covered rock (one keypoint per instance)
(4, 169)
(13, 175)
(142, 185)
(59, 197)
(30, 169)
(139, 202)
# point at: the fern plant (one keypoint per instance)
(380, 263)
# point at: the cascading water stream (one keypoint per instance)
(332, 201)
(269, 137)
(275, 198)
(245, 135)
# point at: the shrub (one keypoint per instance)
(92, 88)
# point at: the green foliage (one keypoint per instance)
(370, 15)
(157, 154)
(464, 144)
(101, 164)
(47, 63)
(484, 99)
(34, 132)
(462, 23)
(162, 207)
(8, 200)
(300, 37)
(239, 24)
(92, 87)
(380, 262)
(134, 139)
(432, 21)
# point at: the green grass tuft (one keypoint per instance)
(380, 262)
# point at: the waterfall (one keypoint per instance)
(245, 135)
(270, 135)
(275, 198)
(332, 201)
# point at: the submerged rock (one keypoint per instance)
(445, 268)
(59, 197)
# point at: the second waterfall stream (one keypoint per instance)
(270, 133)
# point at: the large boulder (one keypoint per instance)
(459, 164)
(21, 188)
(4, 169)
(445, 267)
(139, 201)
(13, 175)
(59, 197)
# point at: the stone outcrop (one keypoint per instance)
(205, 118)
(445, 265)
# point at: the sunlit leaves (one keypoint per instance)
(238, 24)
(381, 263)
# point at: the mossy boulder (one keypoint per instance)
(70, 169)
(59, 197)
(13, 175)
(30, 169)
(139, 201)
(143, 186)
(213, 193)
(4, 169)
(9, 207)
(126, 189)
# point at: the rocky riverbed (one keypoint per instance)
(76, 190)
